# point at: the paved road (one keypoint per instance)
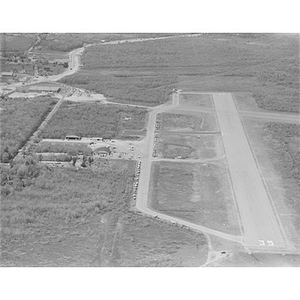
(74, 63)
(262, 229)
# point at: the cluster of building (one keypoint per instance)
(100, 148)
(8, 75)
(44, 89)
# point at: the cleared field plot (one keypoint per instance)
(205, 146)
(70, 218)
(70, 148)
(93, 119)
(199, 193)
(196, 100)
(276, 148)
(187, 122)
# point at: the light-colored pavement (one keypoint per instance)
(262, 229)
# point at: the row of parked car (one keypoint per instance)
(136, 179)
(158, 122)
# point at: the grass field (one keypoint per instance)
(276, 147)
(70, 218)
(265, 65)
(199, 193)
(189, 146)
(187, 122)
(19, 119)
(196, 100)
(92, 119)
(70, 148)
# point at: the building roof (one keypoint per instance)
(72, 136)
(7, 73)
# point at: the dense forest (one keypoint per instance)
(266, 65)
(33, 194)
(20, 118)
(94, 120)
(68, 217)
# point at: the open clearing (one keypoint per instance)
(196, 100)
(187, 121)
(63, 147)
(205, 146)
(199, 193)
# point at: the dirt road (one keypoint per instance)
(262, 229)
